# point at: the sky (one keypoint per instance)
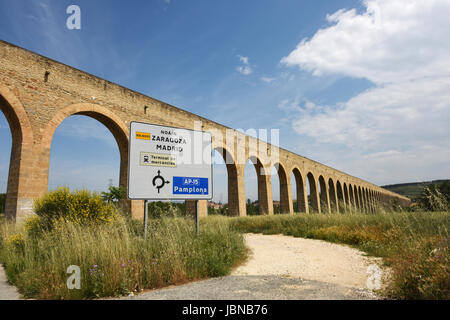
(361, 86)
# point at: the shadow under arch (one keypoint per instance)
(361, 199)
(314, 203)
(348, 206)
(21, 149)
(232, 173)
(357, 199)
(284, 190)
(323, 195)
(263, 179)
(351, 198)
(301, 192)
(365, 199)
(369, 200)
(340, 196)
(332, 196)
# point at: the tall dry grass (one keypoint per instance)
(114, 258)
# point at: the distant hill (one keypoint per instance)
(412, 189)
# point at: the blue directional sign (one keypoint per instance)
(190, 185)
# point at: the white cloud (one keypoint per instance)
(244, 69)
(392, 41)
(287, 105)
(267, 79)
(396, 114)
(400, 129)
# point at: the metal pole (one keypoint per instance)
(196, 216)
(145, 218)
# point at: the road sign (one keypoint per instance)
(167, 163)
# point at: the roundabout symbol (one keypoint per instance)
(162, 183)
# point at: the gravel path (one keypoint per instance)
(279, 267)
(282, 267)
(7, 291)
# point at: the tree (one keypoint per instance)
(444, 188)
(252, 208)
(435, 197)
(115, 194)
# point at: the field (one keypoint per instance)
(115, 259)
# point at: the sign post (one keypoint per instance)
(167, 163)
(145, 218)
(196, 216)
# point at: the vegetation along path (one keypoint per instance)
(283, 267)
(7, 291)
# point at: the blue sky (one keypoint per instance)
(336, 77)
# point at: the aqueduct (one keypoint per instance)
(37, 94)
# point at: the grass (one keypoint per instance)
(114, 258)
(414, 245)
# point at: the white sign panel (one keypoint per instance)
(168, 163)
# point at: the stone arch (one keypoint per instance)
(19, 190)
(357, 200)
(314, 202)
(302, 196)
(369, 200)
(265, 203)
(372, 200)
(361, 199)
(351, 203)
(285, 205)
(378, 196)
(334, 206)
(112, 122)
(340, 196)
(234, 208)
(324, 205)
(375, 201)
(347, 198)
(366, 200)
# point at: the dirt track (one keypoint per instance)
(282, 267)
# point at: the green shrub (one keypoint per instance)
(114, 194)
(15, 241)
(33, 226)
(79, 206)
(159, 209)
